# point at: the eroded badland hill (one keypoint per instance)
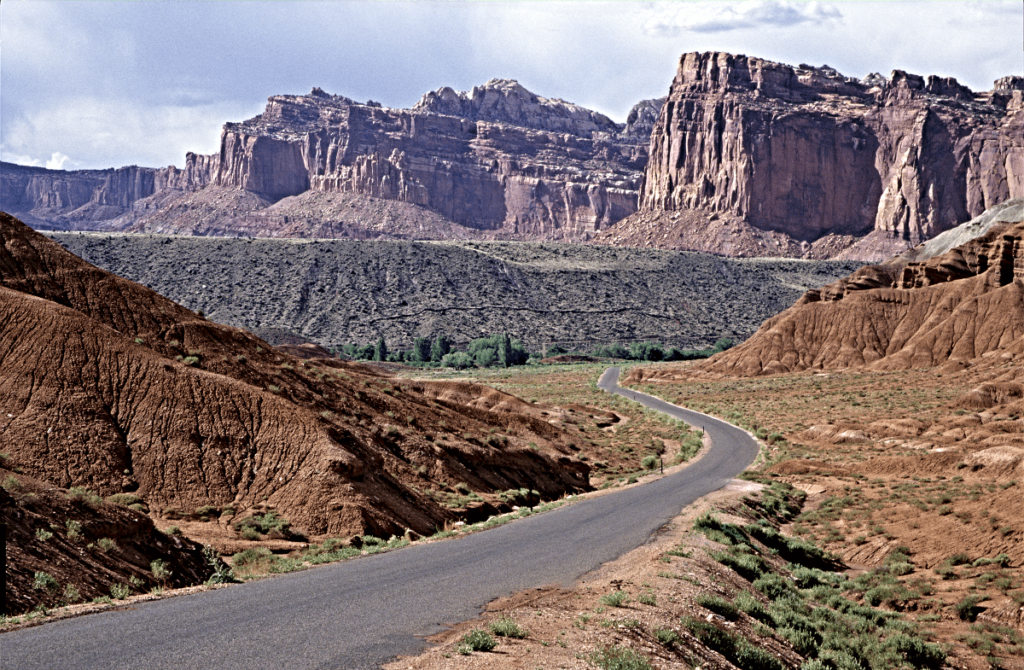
(110, 387)
(894, 398)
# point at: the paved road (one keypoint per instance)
(362, 612)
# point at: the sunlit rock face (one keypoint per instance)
(807, 152)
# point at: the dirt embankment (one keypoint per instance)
(69, 546)
(107, 385)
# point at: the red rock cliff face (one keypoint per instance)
(806, 152)
(496, 158)
(86, 199)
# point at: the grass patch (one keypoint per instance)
(506, 627)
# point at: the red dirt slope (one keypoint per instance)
(108, 385)
(958, 306)
(86, 545)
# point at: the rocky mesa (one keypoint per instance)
(497, 161)
(753, 157)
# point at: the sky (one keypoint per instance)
(87, 85)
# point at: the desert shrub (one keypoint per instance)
(250, 556)
(615, 599)
(667, 637)
(74, 530)
(264, 524)
(70, 595)
(506, 627)
(107, 544)
(221, 573)
(120, 591)
(477, 640)
(43, 535)
(647, 599)
(885, 593)
(745, 565)
(754, 608)
(649, 462)
(750, 657)
(172, 530)
(125, 499)
(966, 609)
(917, 652)
(808, 578)
(330, 551)
(900, 569)
(160, 571)
(773, 586)
(718, 605)
(81, 494)
(619, 658)
(44, 581)
(711, 636)
(206, 510)
(793, 549)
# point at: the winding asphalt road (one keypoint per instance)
(360, 613)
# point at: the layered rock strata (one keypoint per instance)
(498, 161)
(806, 152)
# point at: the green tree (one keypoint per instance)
(485, 357)
(457, 360)
(503, 352)
(420, 350)
(441, 347)
(380, 352)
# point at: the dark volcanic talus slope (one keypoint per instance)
(108, 385)
(338, 291)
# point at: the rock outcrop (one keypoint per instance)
(498, 161)
(807, 153)
(107, 385)
(748, 157)
(956, 307)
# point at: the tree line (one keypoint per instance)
(501, 350)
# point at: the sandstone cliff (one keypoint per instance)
(498, 161)
(786, 156)
(108, 385)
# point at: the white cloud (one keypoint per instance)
(720, 17)
(113, 84)
(57, 161)
(20, 159)
(116, 132)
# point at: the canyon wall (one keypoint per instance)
(498, 160)
(807, 152)
(747, 157)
